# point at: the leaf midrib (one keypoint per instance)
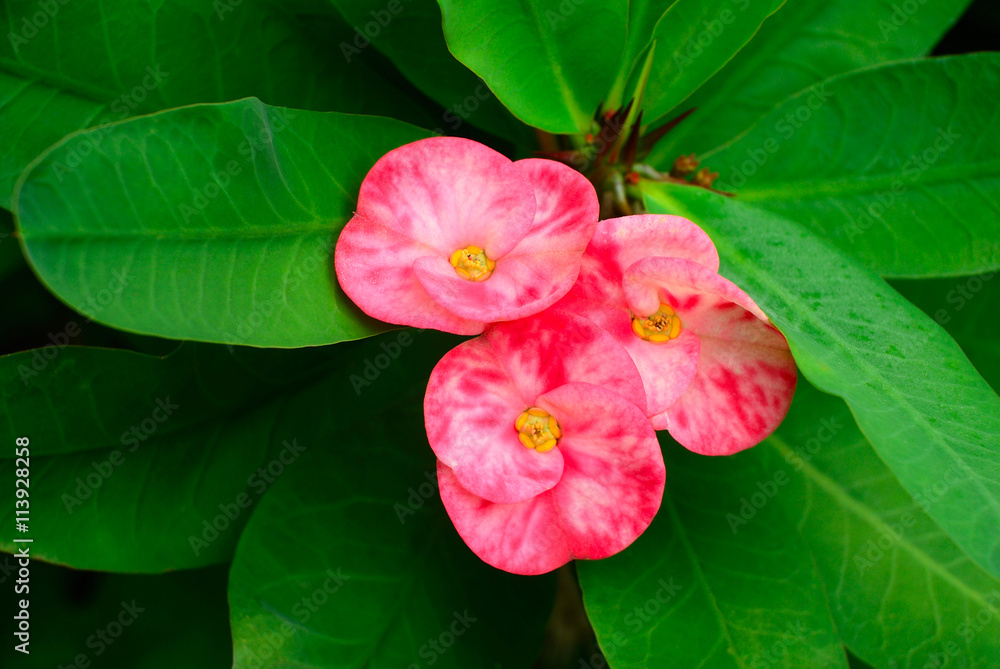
(84, 91)
(814, 190)
(887, 388)
(862, 511)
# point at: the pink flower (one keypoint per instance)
(717, 374)
(451, 235)
(544, 450)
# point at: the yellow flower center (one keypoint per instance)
(660, 327)
(471, 263)
(537, 429)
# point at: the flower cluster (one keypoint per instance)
(594, 336)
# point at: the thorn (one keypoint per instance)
(650, 140)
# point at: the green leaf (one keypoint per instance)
(351, 561)
(924, 408)
(966, 307)
(90, 64)
(410, 34)
(642, 18)
(11, 259)
(700, 587)
(803, 43)
(162, 630)
(899, 165)
(211, 222)
(70, 399)
(902, 594)
(694, 40)
(550, 64)
(180, 497)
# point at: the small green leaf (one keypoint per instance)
(898, 165)
(924, 408)
(211, 222)
(351, 561)
(902, 593)
(550, 64)
(701, 586)
(803, 43)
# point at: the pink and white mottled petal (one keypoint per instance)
(519, 287)
(746, 375)
(611, 488)
(470, 408)
(597, 293)
(566, 211)
(374, 268)
(523, 538)
(739, 396)
(548, 351)
(619, 242)
(708, 304)
(666, 368)
(447, 193)
(613, 478)
(543, 266)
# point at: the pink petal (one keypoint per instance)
(469, 411)
(666, 369)
(447, 193)
(390, 292)
(610, 490)
(566, 214)
(619, 242)
(429, 199)
(746, 375)
(555, 348)
(543, 266)
(479, 388)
